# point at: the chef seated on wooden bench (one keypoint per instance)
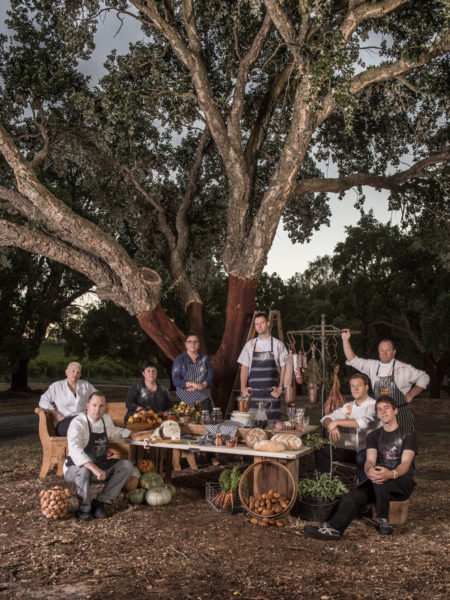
(87, 460)
(66, 398)
(358, 414)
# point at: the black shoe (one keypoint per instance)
(324, 532)
(81, 515)
(98, 510)
(384, 527)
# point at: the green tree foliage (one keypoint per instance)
(33, 293)
(381, 282)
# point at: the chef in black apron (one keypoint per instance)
(386, 386)
(87, 462)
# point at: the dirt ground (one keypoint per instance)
(185, 550)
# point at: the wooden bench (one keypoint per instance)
(54, 448)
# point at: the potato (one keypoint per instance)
(254, 520)
(280, 523)
(263, 523)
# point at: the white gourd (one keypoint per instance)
(158, 496)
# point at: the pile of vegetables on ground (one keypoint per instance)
(55, 502)
(148, 487)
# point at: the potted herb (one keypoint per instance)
(318, 497)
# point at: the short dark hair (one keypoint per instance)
(387, 400)
(261, 314)
(148, 363)
(360, 376)
(387, 340)
(97, 393)
(189, 335)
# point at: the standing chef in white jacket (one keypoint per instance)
(389, 377)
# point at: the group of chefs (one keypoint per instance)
(79, 409)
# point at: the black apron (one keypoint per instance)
(386, 386)
(264, 375)
(96, 449)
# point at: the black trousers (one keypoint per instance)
(323, 459)
(63, 426)
(367, 492)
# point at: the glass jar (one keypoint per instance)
(206, 417)
(216, 415)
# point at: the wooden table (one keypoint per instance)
(162, 454)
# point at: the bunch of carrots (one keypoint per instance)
(229, 483)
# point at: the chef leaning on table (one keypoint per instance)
(389, 377)
(87, 460)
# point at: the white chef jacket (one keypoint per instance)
(365, 415)
(78, 436)
(279, 351)
(67, 403)
(405, 376)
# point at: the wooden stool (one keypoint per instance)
(398, 512)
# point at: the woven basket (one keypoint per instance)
(262, 477)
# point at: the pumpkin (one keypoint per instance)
(131, 483)
(136, 496)
(158, 496)
(171, 489)
(145, 465)
(151, 480)
(135, 473)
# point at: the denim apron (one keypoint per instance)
(262, 376)
(196, 372)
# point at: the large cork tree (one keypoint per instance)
(230, 117)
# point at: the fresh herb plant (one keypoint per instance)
(322, 486)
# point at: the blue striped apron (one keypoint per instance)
(196, 372)
(386, 386)
(263, 375)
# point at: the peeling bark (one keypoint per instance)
(163, 331)
(239, 314)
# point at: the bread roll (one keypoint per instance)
(255, 435)
(269, 446)
(291, 441)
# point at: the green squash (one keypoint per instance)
(136, 496)
(136, 473)
(171, 489)
(151, 480)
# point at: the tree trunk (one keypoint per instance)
(163, 331)
(436, 371)
(195, 319)
(19, 377)
(239, 314)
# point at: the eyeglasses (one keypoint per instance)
(192, 342)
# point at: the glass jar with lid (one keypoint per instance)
(216, 416)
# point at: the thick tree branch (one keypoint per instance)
(283, 24)
(234, 121)
(392, 182)
(43, 152)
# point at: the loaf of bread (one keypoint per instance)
(290, 440)
(255, 435)
(269, 446)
